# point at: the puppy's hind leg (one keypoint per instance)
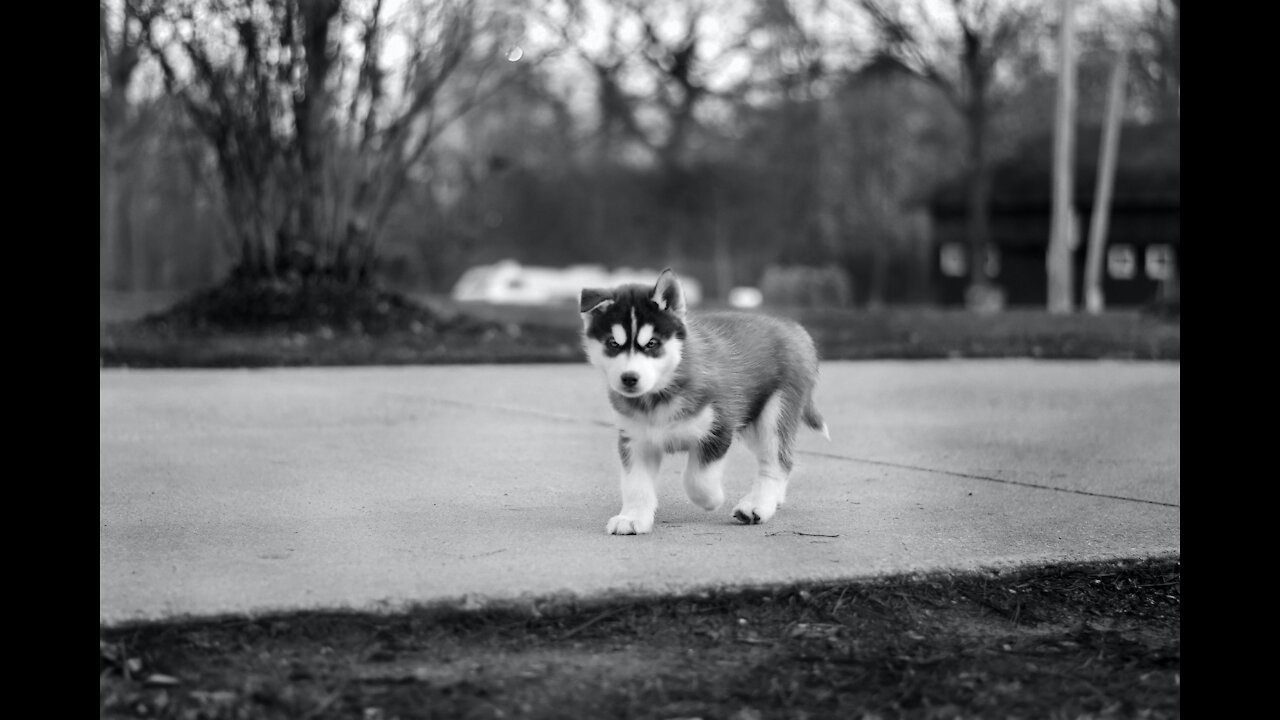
(703, 483)
(702, 476)
(770, 439)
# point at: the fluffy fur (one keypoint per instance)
(696, 382)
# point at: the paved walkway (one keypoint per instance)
(373, 488)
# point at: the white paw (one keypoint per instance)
(706, 498)
(629, 525)
(755, 508)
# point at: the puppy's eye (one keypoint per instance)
(611, 344)
(652, 344)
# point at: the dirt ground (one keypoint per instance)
(1072, 641)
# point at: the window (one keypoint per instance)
(1121, 264)
(953, 258)
(1159, 262)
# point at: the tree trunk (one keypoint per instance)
(301, 251)
(978, 206)
(881, 249)
(921, 229)
(1094, 300)
(113, 187)
(1058, 263)
(108, 225)
(119, 48)
(139, 275)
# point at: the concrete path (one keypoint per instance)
(247, 491)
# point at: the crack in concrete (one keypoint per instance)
(816, 453)
(988, 478)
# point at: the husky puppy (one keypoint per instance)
(693, 382)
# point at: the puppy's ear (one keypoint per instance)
(667, 293)
(593, 299)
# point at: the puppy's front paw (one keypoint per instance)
(629, 525)
(755, 509)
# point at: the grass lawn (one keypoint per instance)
(451, 332)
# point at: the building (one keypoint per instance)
(1143, 254)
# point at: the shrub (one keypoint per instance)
(807, 286)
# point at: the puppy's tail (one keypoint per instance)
(813, 419)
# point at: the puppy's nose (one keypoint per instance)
(629, 379)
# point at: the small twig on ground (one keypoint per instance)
(839, 602)
(590, 622)
(487, 554)
(797, 532)
(1002, 611)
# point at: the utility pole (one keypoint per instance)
(1094, 299)
(1058, 258)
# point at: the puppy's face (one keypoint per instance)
(635, 334)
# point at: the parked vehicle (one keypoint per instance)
(510, 282)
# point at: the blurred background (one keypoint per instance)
(834, 153)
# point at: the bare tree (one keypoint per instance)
(649, 68)
(315, 134)
(650, 62)
(961, 55)
(1158, 50)
(607, 61)
(119, 53)
(892, 133)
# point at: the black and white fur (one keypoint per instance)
(679, 381)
